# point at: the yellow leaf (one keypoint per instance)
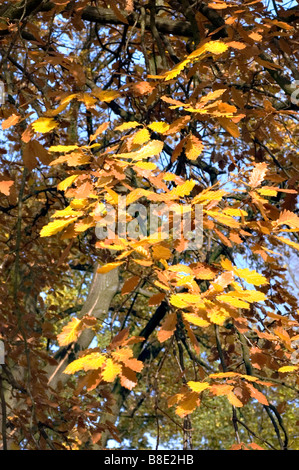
(69, 332)
(183, 189)
(223, 219)
(111, 370)
(91, 361)
(234, 400)
(63, 148)
(228, 299)
(234, 212)
(216, 47)
(176, 301)
(176, 70)
(108, 267)
(206, 196)
(106, 95)
(67, 212)
(54, 227)
(196, 320)
(198, 387)
(223, 375)
(252, 277)
(67, 183)
(288, 242)
(286, 369)
(146, 165)
(218, 316)
(44, 125)
(159, 127)
(141, 137)
(127, 125)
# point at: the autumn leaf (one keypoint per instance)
(260, 397)
(63, 185)
(54, 227)
(92, 361)
(108, 267)
(5, 186)
(130, 285)
(70, 332)
(286, 369)
(11, 121)
(187, 404)
(111, 370)
(168, 327)
(44, 125)
(198, 387)
(194, 147)
(258, 174)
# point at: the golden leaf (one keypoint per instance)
(288, 242)
(127, 125)
(159, 127)
(198, 387)
(108, 267)
(91, 361)
(141, 137)
(54, 227)
(196, 320)
(63, 148)
(187, 404)
(234, 400)
(194, 147)
(111, 370)
(161, 252)
(233, 301)
(229, 126)
(70, 332)
(63, 185)
(286, 369)
(252, 277)
(106, 95)
(44, 125)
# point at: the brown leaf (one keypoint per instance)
(130, 285)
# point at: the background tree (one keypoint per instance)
(176, 103)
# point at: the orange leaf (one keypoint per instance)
(168, 327)
(257, 395)
(11, 121)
